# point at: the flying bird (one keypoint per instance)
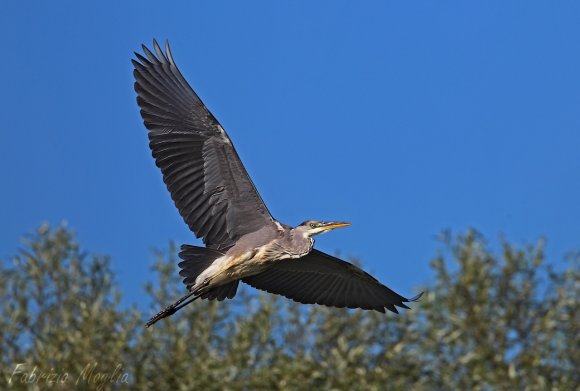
(219, 202)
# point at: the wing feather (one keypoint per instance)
(202, 171)
(319, 278)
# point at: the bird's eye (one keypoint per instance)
(313, 225)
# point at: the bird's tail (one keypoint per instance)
(195, 261)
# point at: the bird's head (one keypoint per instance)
(313, 227)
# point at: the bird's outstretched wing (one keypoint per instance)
(206, 179)
(319, 278)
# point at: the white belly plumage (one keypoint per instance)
(234, 267)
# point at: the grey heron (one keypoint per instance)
(219, 202)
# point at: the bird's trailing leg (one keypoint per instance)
(173, 308)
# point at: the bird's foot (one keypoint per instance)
(168, 311)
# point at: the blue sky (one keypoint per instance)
(405, 119)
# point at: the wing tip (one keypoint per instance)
(392, 307)
(159, 57)
(162, 56)
(168, 53)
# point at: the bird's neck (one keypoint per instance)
(301, 238)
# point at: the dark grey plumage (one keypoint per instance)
(319, 278)
(218, 201)
(202, 170)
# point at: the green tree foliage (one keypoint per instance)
(490, 320)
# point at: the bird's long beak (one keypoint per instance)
(335, 224)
